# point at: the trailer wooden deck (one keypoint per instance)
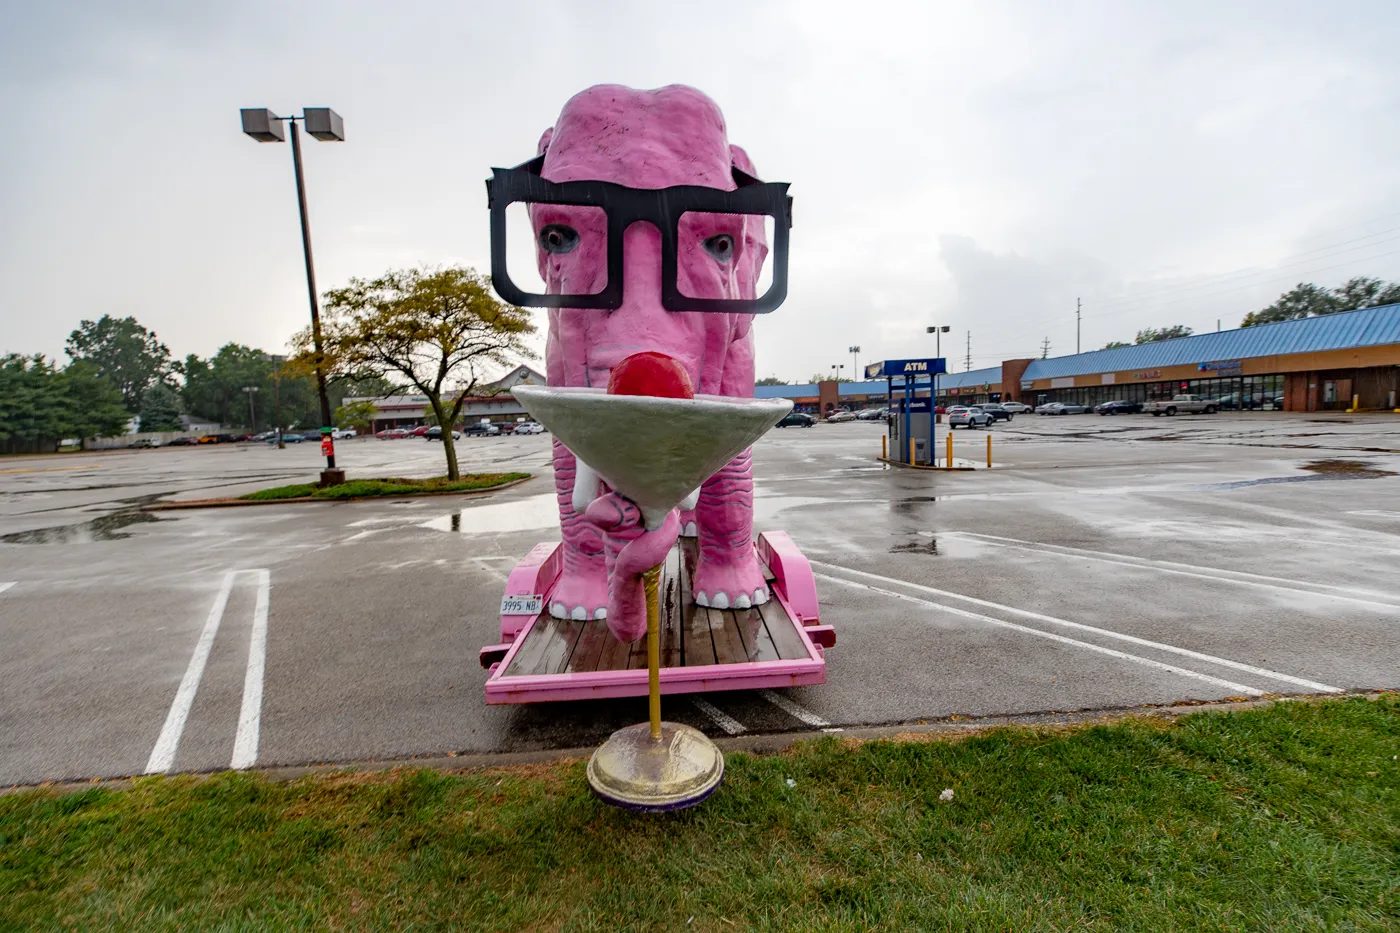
(701, 648)
(691, 635)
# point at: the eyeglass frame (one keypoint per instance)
(624, 206)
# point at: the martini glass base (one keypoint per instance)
(636, 772)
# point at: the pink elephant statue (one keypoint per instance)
(649, 140)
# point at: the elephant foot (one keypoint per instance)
(730, 585)
(688, 529)
(580, 595)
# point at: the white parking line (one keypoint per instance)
(1351, 594)
(163, 755)
(5, 586)
(722, 719)
(1107, 633)
(1121, 655)
(245, 743)
(796, 711)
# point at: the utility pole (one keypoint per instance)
(1077, 306)
(1045, 349)
(252, 419)
(967, 366)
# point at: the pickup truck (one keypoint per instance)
(1190, 403)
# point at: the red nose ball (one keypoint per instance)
(650, 374)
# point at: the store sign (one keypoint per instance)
(924, 367)
(1108, 379)
(1066, 382)
(1148, 374)
(1222, 367)
(1027, 383)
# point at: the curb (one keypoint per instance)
(235, 503)
(947, 728)
(936, 469)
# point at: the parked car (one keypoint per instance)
(419, 431)
(314, 436)
(1118, 407)
(146, 442)
(435, 434)
(1049, 408)
(1017, 408)
(1070, 408)
(481, 429)
(968, 417)
(797, 419)
(996, 410)
(341, 434)
(836, 417)
(871, 414)
(1182, 403)
(183, 442)
(529, 427)
(288, 437)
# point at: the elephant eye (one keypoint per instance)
(720, 246)
(558, 239)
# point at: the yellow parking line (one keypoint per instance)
(90, 466)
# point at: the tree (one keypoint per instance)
(160, 409)
(124, 353)
(1306, 300)
(41, 404)
(1152, 334)
(358, 415)
(214, 388)
(92, 405)
(770, 381)
(431, 327)
(821, 377)
(1116, 345)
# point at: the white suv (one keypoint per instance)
(1016, 407)
(529, 427)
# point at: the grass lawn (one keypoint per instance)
(1280, 818)
(361, 488)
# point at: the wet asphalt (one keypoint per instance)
(1104, 563)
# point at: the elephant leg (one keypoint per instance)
(582, 589)
(727, 575)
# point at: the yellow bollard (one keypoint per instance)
(884, 447)
(1355, 403)
(911, 451)
(949, 464)
(989, 451)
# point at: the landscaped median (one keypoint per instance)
(356, 489)
(1285, 817)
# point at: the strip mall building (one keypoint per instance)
(1316, 364)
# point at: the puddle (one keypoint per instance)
(105, 528)
(1360, 469)
(525, 514)
(917, 547)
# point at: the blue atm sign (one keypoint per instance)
(887, 368)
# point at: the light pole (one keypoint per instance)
(252, 419)
(938, 332)
(324, 124)
(855, 362)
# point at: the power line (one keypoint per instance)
(1224, 277)
(1235, 288)
(1286, 259)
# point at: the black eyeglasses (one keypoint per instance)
(698, 209)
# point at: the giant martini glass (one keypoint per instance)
(656, 452)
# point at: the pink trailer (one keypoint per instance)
(777, 644)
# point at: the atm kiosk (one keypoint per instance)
(911, 394)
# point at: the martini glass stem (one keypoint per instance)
(651, 584)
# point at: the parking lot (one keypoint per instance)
(1105, 563)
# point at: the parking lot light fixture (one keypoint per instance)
(326, 125)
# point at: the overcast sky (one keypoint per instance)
(975, 164)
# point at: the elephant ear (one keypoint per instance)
(544, 141)
(737, 157)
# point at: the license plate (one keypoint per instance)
(521, 605)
